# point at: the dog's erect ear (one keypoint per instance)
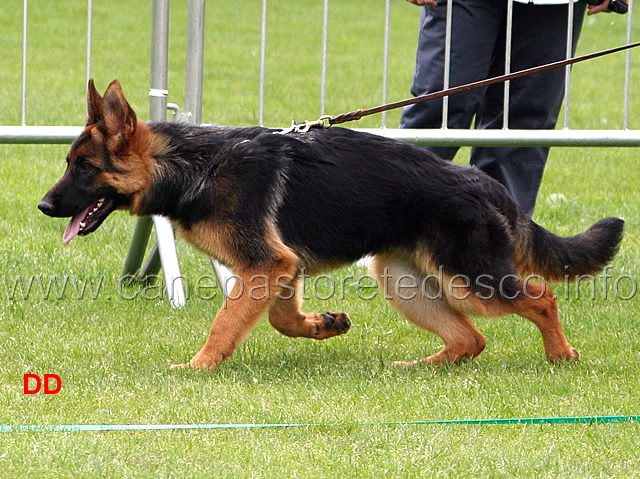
(94, 104)
(119, 119)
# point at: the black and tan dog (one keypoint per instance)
(272, 205)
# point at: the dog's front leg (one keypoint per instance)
(286, 316)
(253, 292)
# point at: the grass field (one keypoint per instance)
(113, 353)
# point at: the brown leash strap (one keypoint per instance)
(356, 115)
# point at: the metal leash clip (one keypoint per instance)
(305, 126)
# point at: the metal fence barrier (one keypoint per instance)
(454, 137)
(440, 137)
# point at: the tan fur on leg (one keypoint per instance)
(286, 317)
(462, 340)
(240, 313)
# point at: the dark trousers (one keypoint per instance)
(477, 52)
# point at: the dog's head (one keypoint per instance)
(108, 166)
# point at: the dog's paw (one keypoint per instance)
(572, 355)
(180, 366)
(199, 361)
(404, 364)
(327, 325)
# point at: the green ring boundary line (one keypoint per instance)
(165, 427)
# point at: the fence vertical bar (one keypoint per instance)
(89, 38)
(447, 63)
(325, 41)
(263, 61)
(567, 71)
(195, 61)
(159, 61)
(165, 238)
(507, 67)
(157, 109)
(385, 60)
(193, 97)
(627, 68)
(25, 16)
(158, 112)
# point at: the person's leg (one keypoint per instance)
(539, 37)
(475, 25)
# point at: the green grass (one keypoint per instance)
(113, 353)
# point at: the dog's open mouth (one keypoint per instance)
(88, 220)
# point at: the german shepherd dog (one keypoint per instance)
(273, 205)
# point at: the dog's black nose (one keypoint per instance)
(46, 207)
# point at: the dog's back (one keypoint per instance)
(347, 194)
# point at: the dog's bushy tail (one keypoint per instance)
(540, 252)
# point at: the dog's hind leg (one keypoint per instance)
(416, 295)
(533, 301)
(285, 315)
(538, 304)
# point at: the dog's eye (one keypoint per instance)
(84, 165)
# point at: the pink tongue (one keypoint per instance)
(73, 227)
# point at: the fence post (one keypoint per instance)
(193, 100)
(165, 240)
(195, 62)
(25, 24)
